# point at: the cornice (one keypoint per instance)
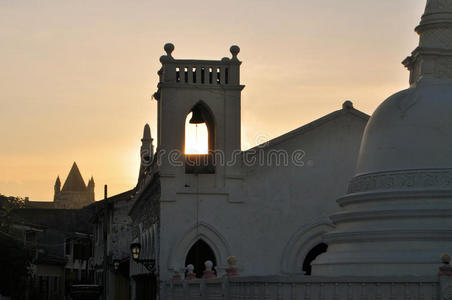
(179, 85)
(394, 195)
(402, 180)
(367, 236)
(348, 216)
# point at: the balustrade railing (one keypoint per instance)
(304, 288)
(201, 74)
(224, 72)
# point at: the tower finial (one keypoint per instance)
(234, 51)
(169, 48)
(146, 133)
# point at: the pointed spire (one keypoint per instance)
(74, 181)
(57, 186)
(90, 188)
(432, 60)
(91, 182)
(146, 134)
(436, 24)
(146, 144)
(146, 151)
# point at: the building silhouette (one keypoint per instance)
(74, 194)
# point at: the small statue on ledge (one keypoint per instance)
(445, 269)
(209, 273)
(190, 274)
(232, 270)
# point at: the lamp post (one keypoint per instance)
(149, 264)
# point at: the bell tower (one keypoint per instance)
(210, 91)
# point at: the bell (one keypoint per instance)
(196, 117)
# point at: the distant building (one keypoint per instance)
(59, 233)
(74, 194)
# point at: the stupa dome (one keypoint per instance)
(412, 129)
(396, 218)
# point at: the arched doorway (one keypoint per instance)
(316, 251)
(198, 254)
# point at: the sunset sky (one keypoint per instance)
(76, 77)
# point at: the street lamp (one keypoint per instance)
(149, 264)
(116, 264)
(136, 249)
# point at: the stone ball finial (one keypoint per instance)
(169, 48)
(190, 267)
(445, 258)
(234, 51)
(347, 104)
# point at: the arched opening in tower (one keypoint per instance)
(312, 255)
(199, 140)
(198, 254)
(196, 135)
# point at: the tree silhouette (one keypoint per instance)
(14, 255)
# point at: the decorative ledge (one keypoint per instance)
(402, 180)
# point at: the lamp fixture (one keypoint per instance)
(149, 264)
(116, 263)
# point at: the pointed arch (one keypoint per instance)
(301, 243)
(202, 231)
(209, 119)
(198, 254)
(196, 137)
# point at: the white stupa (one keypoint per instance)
(397, 215)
